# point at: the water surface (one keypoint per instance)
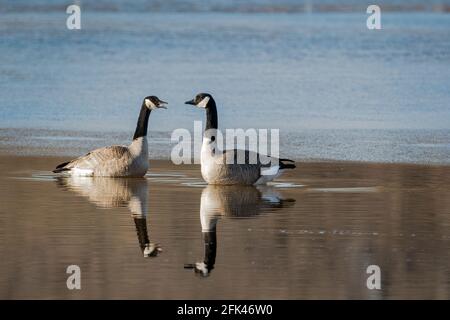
(310, 235)
(335, 89)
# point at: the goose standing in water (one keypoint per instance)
(215, 167)
(118, 161)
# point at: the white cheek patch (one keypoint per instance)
(150, 104)
(203, 103)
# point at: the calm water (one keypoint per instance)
(311, 235)
(335, 89)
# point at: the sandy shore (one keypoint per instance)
(379, 146)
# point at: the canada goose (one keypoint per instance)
(215, 167)
(115, 193)
(118, 161)
(233, 201)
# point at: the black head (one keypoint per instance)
(153, 102)
(201, 100)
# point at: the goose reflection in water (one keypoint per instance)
(114, 193)
(231, 201)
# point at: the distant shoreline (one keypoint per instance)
(303, 163)
(414, 146)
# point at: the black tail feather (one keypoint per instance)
(61, 167)
(290, 165)
(287, 160)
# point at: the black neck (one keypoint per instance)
(211, 115)
(210, 242)
(142, 233)
(142, 124)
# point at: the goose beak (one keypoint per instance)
(162, 104)
(190, 102)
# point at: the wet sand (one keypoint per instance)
(310, 235)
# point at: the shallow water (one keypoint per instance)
(310, 235)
